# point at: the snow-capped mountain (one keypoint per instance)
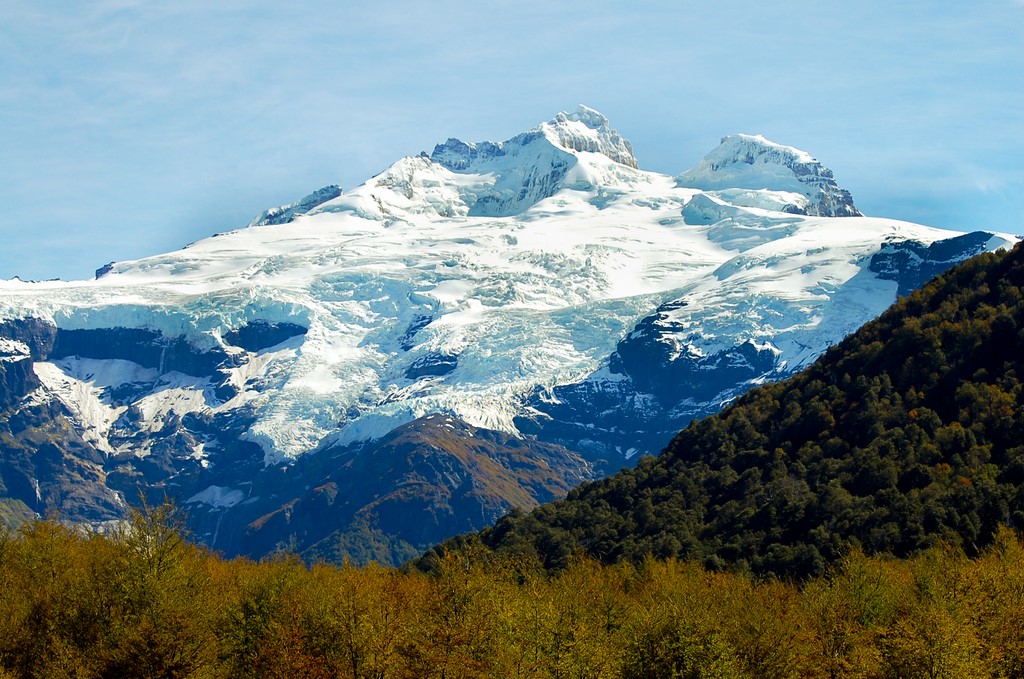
(544, 286)
(751, 171)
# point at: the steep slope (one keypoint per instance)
(542, 286)
(753, 171)
(906, 433)
(697, 353)
(389, 499)
(39, 439)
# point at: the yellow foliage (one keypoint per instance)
(145, 604)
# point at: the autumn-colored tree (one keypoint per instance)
(140, 601)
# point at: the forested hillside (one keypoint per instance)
(908, 433)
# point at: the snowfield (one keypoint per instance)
(462, 282)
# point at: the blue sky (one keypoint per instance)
(130, 127)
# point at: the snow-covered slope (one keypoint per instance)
(751, 171)
(493, 282)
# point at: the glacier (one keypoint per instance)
(517, 286)
(532, 258)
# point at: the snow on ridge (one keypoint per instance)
(749, 141)
(746, 161)
(516, 266)
(584, 130)
(588, 130)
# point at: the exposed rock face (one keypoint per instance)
(588, 130)
(21, 342)
(37, 335)
(287, 213)
(17, 378)
(389, 499)
(912, 264)
(54, 458)
(457, 155)
(653, 362)
(148, 348)
(752, 162)
(259, 335)
(649, 392)
(432, 365)
(45, 464)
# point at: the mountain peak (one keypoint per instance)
(733, 142)
(534, 287)
(592, 118)
(746, 161)
(584, 130)
(533, 165)
(588, 130)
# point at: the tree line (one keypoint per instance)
(144, 602)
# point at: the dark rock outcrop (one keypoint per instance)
(36, 334)
(287, 213)
(418, 323)
(432, 365)
(259, 335)
(148, 348)
(912, 264)
(457, 155)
